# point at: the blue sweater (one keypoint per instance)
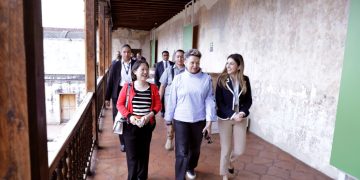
(191, 98)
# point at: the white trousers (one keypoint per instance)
(232, 142)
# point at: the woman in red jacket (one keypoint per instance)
(144, 102)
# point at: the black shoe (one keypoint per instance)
(122, 148)
(231, 171)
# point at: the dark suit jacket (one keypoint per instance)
(112, 87)
(224, 99)
(159, 69)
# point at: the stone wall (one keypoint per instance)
(137, 39)
(293, 52)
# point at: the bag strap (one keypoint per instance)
(172, 72)
(127, 95)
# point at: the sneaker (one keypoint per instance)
(169, 144)
(190, 174)
(122, 148)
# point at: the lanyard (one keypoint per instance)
(126, 67)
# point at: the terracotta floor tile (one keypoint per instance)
(252, 152)
(270, 177)
(301, 175)
(262, 160)
(268, 154)
(288, 165)
(256, 168)
(275, 171)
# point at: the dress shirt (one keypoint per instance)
(125, 73)
(166, 64)
(166, 78)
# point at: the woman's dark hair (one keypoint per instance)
(192, 52)
(136, 66)
(180, 50)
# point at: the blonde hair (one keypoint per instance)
(240, 73)
(193, 52)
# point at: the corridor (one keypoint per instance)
(261, 160)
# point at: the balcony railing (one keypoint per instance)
(100, 98)
(73, 158)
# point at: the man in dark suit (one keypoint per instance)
(161, 66)
(119, 74)
(159, 69)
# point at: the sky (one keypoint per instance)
(63, 13)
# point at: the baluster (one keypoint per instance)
(81, 150)
(84, 146)
(68, 162)
(58, 170)
(78, 155)
(54, 175)
(89, 133)
(72, 161)
(65, 170)
(75, 158)
(81, 155)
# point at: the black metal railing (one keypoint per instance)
(73, 158)
(72, 161)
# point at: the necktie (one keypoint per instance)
(165, 64)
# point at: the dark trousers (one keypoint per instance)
(115, 111)
(137, 142)
(187, 146)
(163, 107)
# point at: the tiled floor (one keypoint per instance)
(260, 161)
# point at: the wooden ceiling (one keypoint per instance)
(144, 14)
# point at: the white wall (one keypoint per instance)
(63, 56)
(293, 52)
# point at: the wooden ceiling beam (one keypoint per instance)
(145, 28)
(144, 15)
(171, 3)
(141, 9)
(137, 21)
(144, 12)
(147, 5)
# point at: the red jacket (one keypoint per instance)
(126, 112)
